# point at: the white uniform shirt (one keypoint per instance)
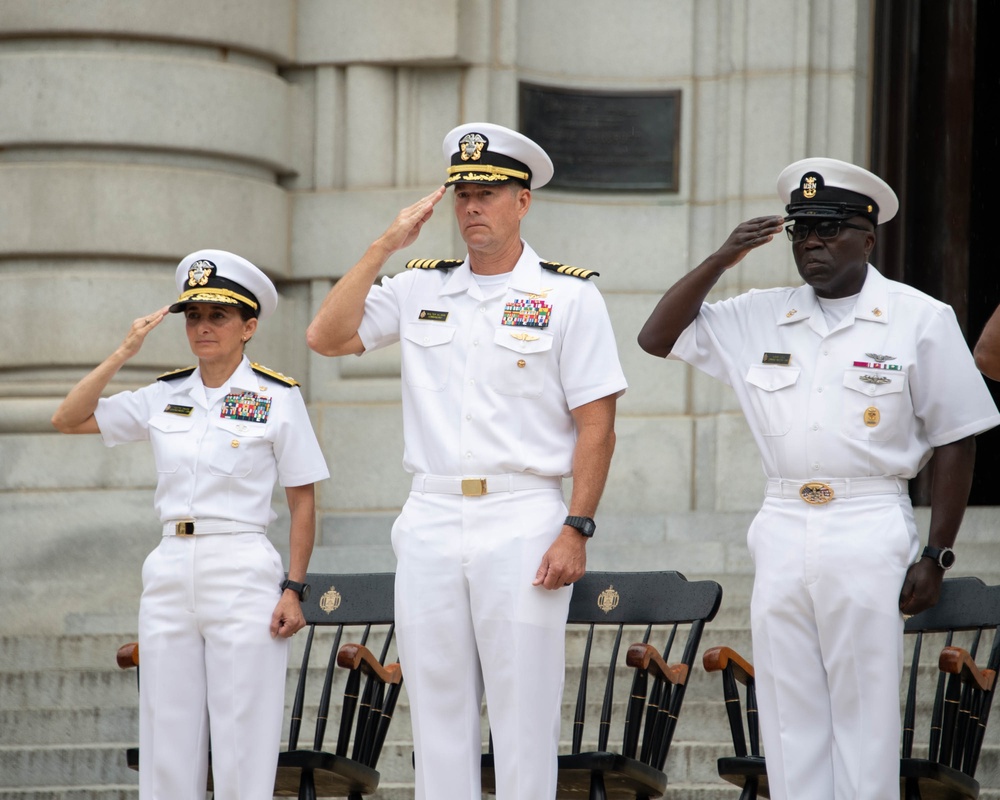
(484, 396)
(211, 466)
(814, 411)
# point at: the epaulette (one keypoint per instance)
(434, 263)
(565, 269)
(175, 374)
(277, 376)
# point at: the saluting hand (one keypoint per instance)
(406, 227)
(748, 236)
(140, 330)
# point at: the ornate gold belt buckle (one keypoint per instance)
(474, 487)
(816, 493)
(184, 528)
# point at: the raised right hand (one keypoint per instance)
(406, 227)
(748, 236)
(140, 330)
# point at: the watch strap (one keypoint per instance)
(585, 525)
(944, 557)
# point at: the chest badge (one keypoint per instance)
(524, 337)
(872, 416)
(184, 411)
(246, 407)
(874, 379)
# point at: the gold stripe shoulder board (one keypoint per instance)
(260, 369)
(175, 374)
(434, 263)
(565, 269)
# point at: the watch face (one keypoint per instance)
(947, 559)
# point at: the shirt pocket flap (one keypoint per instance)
(171, 423)
(874, 384)
(522, 341)
(240, 427)
(428, 334)
(770, 378)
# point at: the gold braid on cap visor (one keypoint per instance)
(483, 172)
(224, 296)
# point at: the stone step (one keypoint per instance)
(690, 764)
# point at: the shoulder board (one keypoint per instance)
(175, 374)
(277, 376)
(435, 263)
(564, 269)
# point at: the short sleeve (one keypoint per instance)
(297, 452)
(124, 417)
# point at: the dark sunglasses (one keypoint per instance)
(826, 229)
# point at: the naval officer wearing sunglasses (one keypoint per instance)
(850, 383)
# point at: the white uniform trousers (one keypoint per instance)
(207, 660)
(467, 615)
(828, 643)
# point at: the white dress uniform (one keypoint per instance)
(489, 382)
(860, 408)
(209, 663)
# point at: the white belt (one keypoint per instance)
(196, 527)
(490, 484)
(821, 492)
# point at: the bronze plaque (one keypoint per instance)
(612, 141)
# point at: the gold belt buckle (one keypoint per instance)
(816, 493)
(184, 528)
(474, 487)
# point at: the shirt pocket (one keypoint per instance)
(772, 395)
(426, 358)
(519, 365)
(172, 444)
(874, 407)
(235, 445)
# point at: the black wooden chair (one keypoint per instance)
(675, 612)
(350, 606)
(952, 693)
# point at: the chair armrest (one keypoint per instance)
(958, 662)
(647, 657)
(354, 656)
(128, 655)
(718, 658)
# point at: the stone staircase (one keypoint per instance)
(67, 712)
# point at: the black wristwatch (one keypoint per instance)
(301, 589)
(943, 556)
(585, 525)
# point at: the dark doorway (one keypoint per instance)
(936, 83)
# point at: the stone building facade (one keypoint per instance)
(291, 131)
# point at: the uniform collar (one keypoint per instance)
(872, 304)
(525, 277)
(243, 378)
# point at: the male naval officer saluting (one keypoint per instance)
(510, 379)
(850, 384)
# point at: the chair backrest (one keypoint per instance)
(962, 627)
(666, 613)
(356, 608)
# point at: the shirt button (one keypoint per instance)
(468, 416)
(816, 467)
(815, 426)
(820, 390)
(468, 455)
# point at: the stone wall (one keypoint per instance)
(291, 131)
